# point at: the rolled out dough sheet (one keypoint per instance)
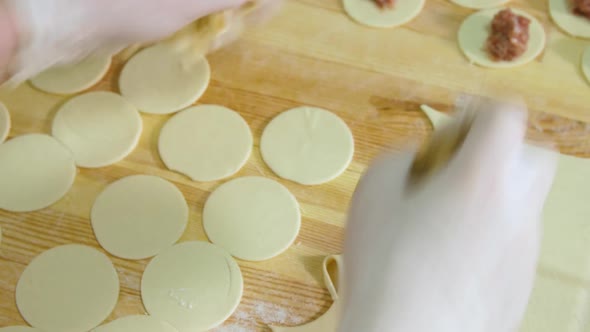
(19, 329)
(71, 288)
(4, 123)
(206, 142)
(158, 80)
(100, 128)
(194, 286)
(73, 78)
(328, 322)
(137, 323)
(561, 12)
(307, 145)
(139, 216)
(254, 218)
(586, 63)
(35, 171)
(480, 4)
(475, 30)
(368, 13)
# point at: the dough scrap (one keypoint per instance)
(137, 323)
(475, 30)
(73, 78)
(157, 80)
(35, 172)
(194, 286)
(4, 123)
(562, 13)
(206, 142)
(367, 12)
(437, 119)
(139, 216)
(480, 4)
(307, 145)
(253, 218)
(70, 288)
(586, 63)
(100, 128)
(329, 321)
(19, 329)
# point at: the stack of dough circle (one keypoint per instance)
(136, 324)
(100, 128)
(254, 218)
(69, 288)
(368, 13)
(4, 123)
(73, 78)
(159, 80)
(474, 33)
(206, 143)
(480, 4)
(139, 216)
(307, 145)
(35, 172)
(194, 286)
(562, 13)
(586, 63)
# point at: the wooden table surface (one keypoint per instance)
(311, 53)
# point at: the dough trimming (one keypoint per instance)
(4, 123)
(480, 4)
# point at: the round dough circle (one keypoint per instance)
(157, 80)
(137, 323)
(586, 63)
(194, 286)
(307, 145)
(100, 128)
(19, 329)
(253, 218)
(475, 30)
(480, 4)
(368, 13)
(73, 78)
(139, 216)
(69, 288)
(207, 142)
(35, 172)
(4, 123)
(562, 13)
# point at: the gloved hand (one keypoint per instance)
(457, 253)
(61, 31)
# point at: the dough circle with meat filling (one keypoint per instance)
(562, 13)
(370, 14)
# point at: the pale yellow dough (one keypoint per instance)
(475, 30)
(562, 13)
(70, 288)
(206, 142)
(35, 171)
(254, 218)
(158, 80)
(438, 119)
(307, 145)
(328, 322)
(19, 329)
(194, 286)
(586, 63)
(100, 128)
(4, 123)
(136, 324)
(480, 4)
(368, 13)
(73, 78)
(139, 216)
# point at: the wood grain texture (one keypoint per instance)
(313, 54)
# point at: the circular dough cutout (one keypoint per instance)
(475, 30)
(19, 329)
(562, 13)
(136, 324)
(480, 4)
(206, 143)
(194, 286)
(159, 80)
(368, 13)
(69, 288)
(73, 78)
(586, 63)
(253, 218)
(4, 123)
(35, 172)
(307, 145)
(139, 216)
(100, 128)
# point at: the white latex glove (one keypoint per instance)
(459, 252)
